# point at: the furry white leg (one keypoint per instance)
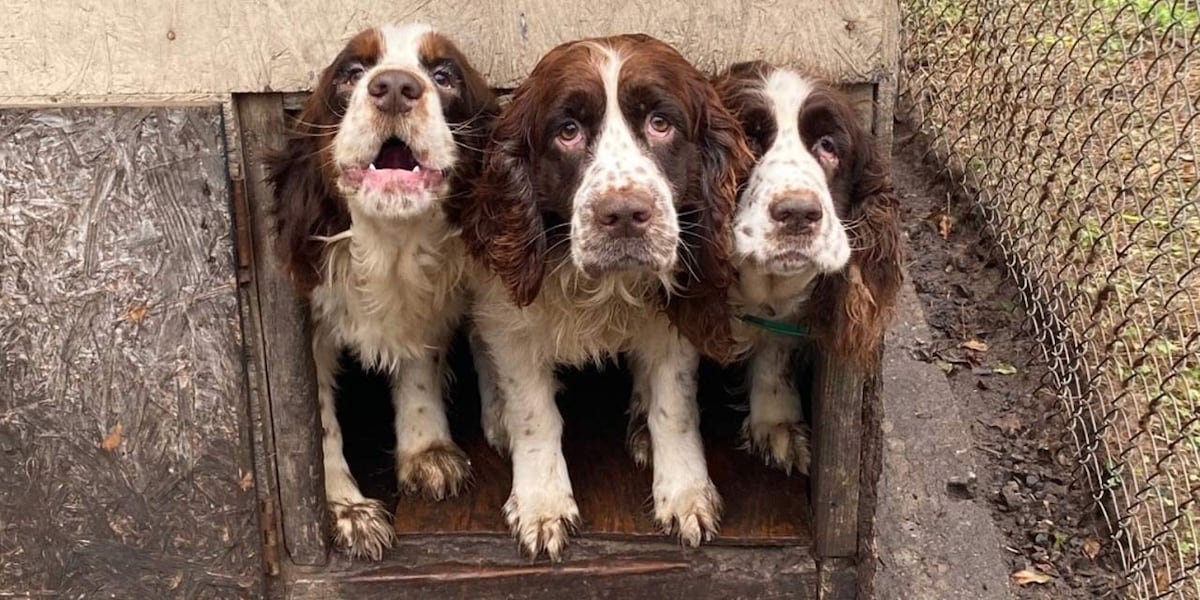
(685, 500)
(541, 509)
(775, 428)
(427, 460)
(361, 526)
(491, 407)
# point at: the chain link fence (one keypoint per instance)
(1072, 127)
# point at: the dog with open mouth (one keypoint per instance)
(390, 135)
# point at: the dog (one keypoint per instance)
(600, 227)
(389, 137)
(816, 243)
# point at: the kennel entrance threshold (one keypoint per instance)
(461, 547)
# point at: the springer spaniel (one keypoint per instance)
(602, 223)
(391, 134)
(816, 243)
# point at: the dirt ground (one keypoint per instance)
(1056, 543)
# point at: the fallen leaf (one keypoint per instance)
(946, 367)
(1004, 369)
(1091, 548)
(175, 581)
(975, 345)
(114, 438)
(1162, 577)
(1009, 424)
(137, 314)
(945, 226)
(1028, 576)
(247, 481)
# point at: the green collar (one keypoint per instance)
(774, 326)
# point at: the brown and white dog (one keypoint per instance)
(391, 133)
(817, 243)
(601, 221)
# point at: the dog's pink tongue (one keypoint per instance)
(392, 179)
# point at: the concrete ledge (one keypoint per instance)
(930, 544)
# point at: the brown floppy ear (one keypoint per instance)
(700, 306)
(471, 115)
(305, 203)
(500, 221)
(864, 293)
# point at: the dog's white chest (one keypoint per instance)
(391, 302)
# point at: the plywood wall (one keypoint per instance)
(72, 50)
(123, 441)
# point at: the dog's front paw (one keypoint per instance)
(439, 471)
(542, 522)
(782, 445)
(637, 440)
(496, 435)
(693, 512)
(362, 529)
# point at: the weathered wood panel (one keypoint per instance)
(64, 49)
(123, 439)
(282, 328)
(487, 568)
(837, 579)
(837, 454)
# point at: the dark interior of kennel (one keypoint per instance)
(762, 504)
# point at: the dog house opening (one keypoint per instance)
(762, 504)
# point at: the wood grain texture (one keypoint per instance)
(122, 406)
(489, 568)
(870, 471)
(286, 350)
(837, 579)
(114, 47)
(837, 447)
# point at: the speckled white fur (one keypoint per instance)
(577, 320)
(392, 293)
(774, 427)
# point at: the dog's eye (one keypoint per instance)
(569, 133)
(659, 124)
(825, 146)
(443, 79)
(826, 152)
(354, 73)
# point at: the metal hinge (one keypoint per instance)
(270, 531)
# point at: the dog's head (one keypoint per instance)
(616, 155)
(392, 129)
(818, 202)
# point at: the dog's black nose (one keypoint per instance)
(625, 214)
(798, 212)
(395, 91)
